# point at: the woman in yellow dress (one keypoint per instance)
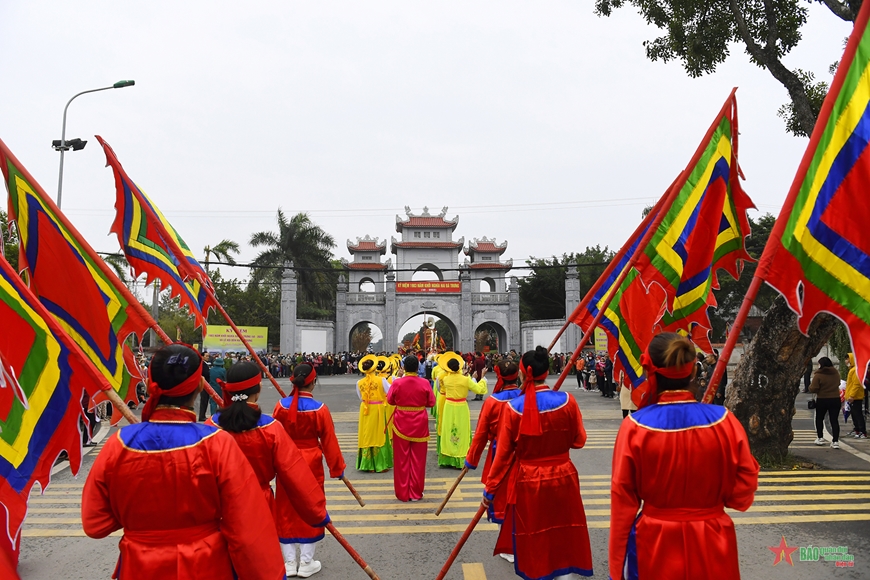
(455, 432)
(375, 452)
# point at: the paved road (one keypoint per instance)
(829, 507)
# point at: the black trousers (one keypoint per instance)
(832, 408)
(858, 416)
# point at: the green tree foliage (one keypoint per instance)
(731, 292)
(249, 304)
(841, 347)
(118, 264)
(444, 332)
(361, 338)
(222, 251)
(542, 293)
(309, 248)
(701, 33)
(10, 240)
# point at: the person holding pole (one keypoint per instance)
(309, 424)
(411, 395)
(545, 523)
(504, 391)
(686, 462)
(268, 448)
(187, 499)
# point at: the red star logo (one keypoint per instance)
(782, 552)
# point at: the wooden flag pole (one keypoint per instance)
(353, 491)
(461, 542)
(667, 201)
(452, 489)
(612, 265)
(121, 406)
(353, 553)
(244, 340)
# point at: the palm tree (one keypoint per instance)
(222, 251)
(118, 263)
(301, 241)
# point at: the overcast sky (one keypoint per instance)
(537, 122)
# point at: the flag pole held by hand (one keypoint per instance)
(353, 553)
(461, 542)
(452, 489)
(353, 491)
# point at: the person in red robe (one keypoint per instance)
(506, 389)
(686, 462)
(544, 517)
(187, 500)
(268, 448)
(411, 395)
(310, 426)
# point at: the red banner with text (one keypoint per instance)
(452, 287)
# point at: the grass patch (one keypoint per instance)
(770, 462)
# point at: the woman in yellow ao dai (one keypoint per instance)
(455, 420)
(374, 450)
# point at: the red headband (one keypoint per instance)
(186, 387)
(647, 393)
(531, 422)
(294, 406)
(501, 379)
(228, 388)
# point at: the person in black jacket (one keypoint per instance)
(826, 386)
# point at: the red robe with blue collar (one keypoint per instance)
(545, 523)
(686, 462)
(314, 435)
(187, 500)
(273, 454)
(487, 430)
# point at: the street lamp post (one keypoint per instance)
(76, 144)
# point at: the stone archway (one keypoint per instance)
(445, 330)
(357, 336)
(490, 336)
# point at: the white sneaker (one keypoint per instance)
(820, 441)
(290, 568)
(508, 557)
(307, 569)
(835, 445)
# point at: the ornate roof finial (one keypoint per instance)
(425, 211)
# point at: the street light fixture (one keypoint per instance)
(77, 144)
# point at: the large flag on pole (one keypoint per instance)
(48, 374)
(818, 255)
(153, 247)
(703, 230)
(71, 281)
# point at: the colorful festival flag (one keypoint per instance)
(52, 373)
(71, 281)
(703, 229)
(153, 247)
(818, 255)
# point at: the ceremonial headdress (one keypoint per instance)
(294, 406)
(185, 387)
(367, 358)
(446, 358)
(530, 424)
(648, 392)
(501, 379)
(230, 390)
(383, 364)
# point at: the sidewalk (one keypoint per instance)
(853, 454)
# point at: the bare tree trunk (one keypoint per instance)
(767, 379)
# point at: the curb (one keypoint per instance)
(847, 447)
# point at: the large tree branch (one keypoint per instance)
(767, 57)
(842, 10)
(772, 33)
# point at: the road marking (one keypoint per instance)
(473, 572)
